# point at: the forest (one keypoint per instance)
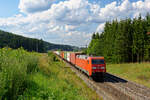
(30, 44)
(123, 41)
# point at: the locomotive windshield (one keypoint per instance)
(97, 61)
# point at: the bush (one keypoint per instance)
(15, 69)
(52, 56)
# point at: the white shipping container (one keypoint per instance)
(57, 52)
(68, 56)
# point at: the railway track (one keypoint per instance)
(113, 87)
(133, 90)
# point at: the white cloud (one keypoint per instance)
(141, 7)
(70, 27)
(100, 28)
(70, 12)
(69, 21)
(77, 38)
(31, 6)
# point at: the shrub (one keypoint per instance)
(52, 56)
(15, 69)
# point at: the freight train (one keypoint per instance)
(94, 67)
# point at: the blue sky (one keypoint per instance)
(8, 8)
(65, 21)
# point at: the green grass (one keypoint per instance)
(136, 72)
(56, 82)
(33, 76)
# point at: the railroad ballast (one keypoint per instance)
(92, 66)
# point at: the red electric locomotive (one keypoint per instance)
(92, 66)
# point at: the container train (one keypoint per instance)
(94, 67)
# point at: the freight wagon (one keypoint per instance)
(92, 66)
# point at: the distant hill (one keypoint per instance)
(30, 44)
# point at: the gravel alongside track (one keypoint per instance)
(114, 88)
(134, 90)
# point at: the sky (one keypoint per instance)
(69, 22)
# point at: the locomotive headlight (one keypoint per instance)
(93, 67)
(102, 67)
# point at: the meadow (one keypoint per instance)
(34, 76)
(136, 72)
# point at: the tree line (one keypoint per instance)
(30, 44)
(123, 41)
(15, 41)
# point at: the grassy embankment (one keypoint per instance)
(135, 72)
(34, 76)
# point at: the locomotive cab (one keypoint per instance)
(98, 67)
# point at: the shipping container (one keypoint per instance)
(62, 54)
(65, 55)
(57, 52)
(73, 57)
(68, 56)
